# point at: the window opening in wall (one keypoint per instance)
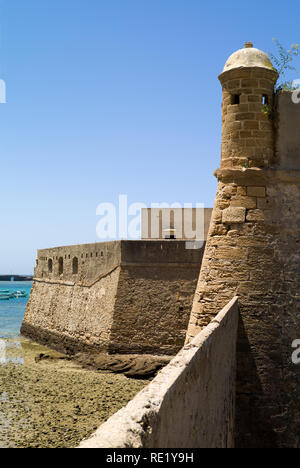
(235, 99)
(50, 266)
(60, 266)
(265, 99)
(75, 266)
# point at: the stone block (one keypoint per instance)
(255, 107)
(245, 116)
(245, 134)
(255, 216)
(256, 192)
(249, 125)
(249, 83)
(262, 204)
(218, 230)
(234, 215)
(254, 98)
(234, 84)
(265, 84)
(245, 202)
(242, 191)
(231, 253)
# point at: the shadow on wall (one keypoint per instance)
(190, 403)
(253, 425)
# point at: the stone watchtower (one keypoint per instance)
(253, 251)
(248, 81)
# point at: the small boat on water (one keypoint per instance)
(6, 295)
(18, 294)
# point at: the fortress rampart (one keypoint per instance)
(252, 249)
(120, 297)
(78, 264)
(191, 403)
(137, 298)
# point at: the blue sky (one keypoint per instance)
(109, 97)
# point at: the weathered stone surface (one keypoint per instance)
(191, 401)
(267, 280)
(234, 215)
(126, 297)
(255, 215)
(287, 141)
(131, 365)
(266, 275)
(245, 126)
(246, 202)
(256, 191)
(135, 303)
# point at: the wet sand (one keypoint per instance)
(55, 403)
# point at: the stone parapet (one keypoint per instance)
(191, 402)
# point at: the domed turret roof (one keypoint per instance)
(249, 56)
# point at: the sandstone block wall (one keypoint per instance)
(190, 404)
(124, 297)
(253, 251)
(288, 131)
(247, 134)
(93, 261)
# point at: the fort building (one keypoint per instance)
(117, 297)
(232, 384)
(252, 249)
(190, 224)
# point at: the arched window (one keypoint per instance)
(60, 266)
(50, 265)
(75, 266)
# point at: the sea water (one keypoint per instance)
(12, 311)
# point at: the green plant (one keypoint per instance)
(283, 62)
(268, 111)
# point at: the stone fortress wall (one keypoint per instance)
(119, 297)
(288, 132)
(78, 263)
(252, 249)
(191, 403)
